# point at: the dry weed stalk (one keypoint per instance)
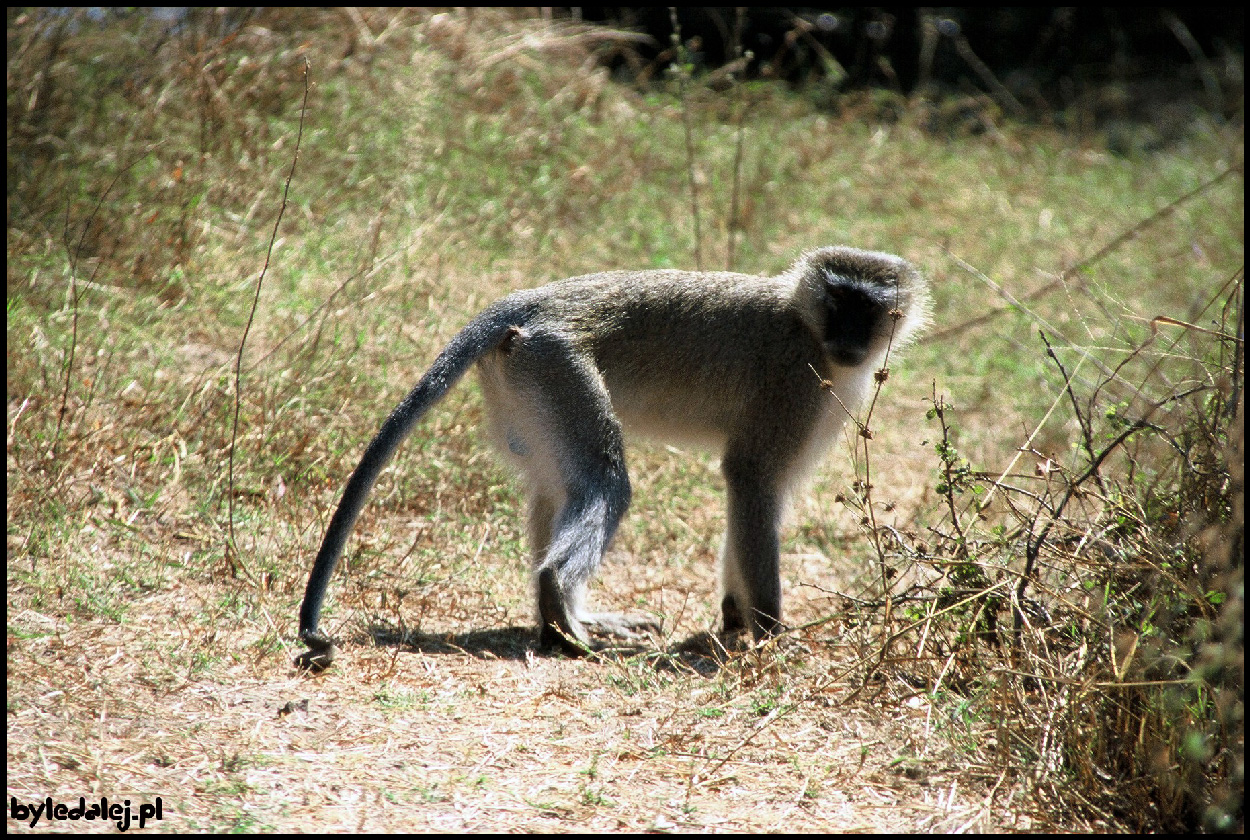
(1121, 575)
(232, 549)
(681, 70)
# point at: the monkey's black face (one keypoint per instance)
(855, 318)
(847, 355)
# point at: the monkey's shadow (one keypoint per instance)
(495, 643)
(703, 652)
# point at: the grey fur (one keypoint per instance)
(762, 369)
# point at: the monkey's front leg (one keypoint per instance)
(751, 562)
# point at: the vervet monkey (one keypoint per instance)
(763, 369)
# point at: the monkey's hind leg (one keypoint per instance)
(595, 499)
(558, 424)
(627, 627)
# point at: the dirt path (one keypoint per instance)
(438, 739)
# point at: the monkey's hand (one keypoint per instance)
(321, 652)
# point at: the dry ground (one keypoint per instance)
(463, 725)
(396, 741)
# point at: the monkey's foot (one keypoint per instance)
(572, 641)
(575, 641)
(629, 627)
(321, 652)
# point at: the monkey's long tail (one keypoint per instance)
(481, 335)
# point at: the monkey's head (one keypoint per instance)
(867, 301)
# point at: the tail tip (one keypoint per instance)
(320, 654)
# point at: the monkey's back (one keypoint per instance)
(696, 357)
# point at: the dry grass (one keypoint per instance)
(445, 741)
(448, 159)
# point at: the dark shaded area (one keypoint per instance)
(1033, 60)
(702, 653)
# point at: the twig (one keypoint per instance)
(734, 222)
(1005, 98)
(864, 432)
(1206, 72)
(75, 293)
(232, 551)
(1087, 431)
(1075, 269)
(1165, 210)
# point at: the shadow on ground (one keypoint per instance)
(704, 653)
